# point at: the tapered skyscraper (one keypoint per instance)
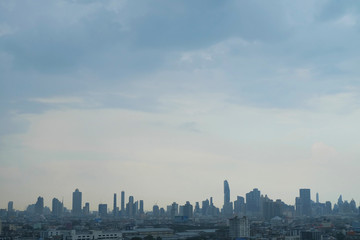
(227, 208)
(226, 192)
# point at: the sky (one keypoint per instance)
(166, 99)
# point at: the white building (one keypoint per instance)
(239, 227)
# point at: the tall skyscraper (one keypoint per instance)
(253, 202)
(226, 192)
(115, 207)
(76, 202)
(102, 210)
(122, 203)
(227, 208)
(57, 207)
(305, 202)
(188, 210)
(10, 206)
(86, 209)
(39, 205)
(141, 210)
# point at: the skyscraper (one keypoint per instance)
(253, 202)
(10, 206)
(76, 203)
(102, 210)
(227, 208)
(115, 207)
(305, 201)
(122, 203)
(39, 205)
(57, 207)
(141, 210)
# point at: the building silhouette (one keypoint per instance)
(253, 202)
(227, 207)
(102, 210)
(76, 203)
(39, 206)
(305, 202)
(115, 206)
(57, 207)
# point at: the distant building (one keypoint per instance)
(102, 210)
(39, 206)
(114, 206)
(156, 211)
(141, 208)
(305, 201)
(86, 209)
(239, 227)
(310, 235)
(57, 207)
(188, 210)
(76, 203)
(253, 202)
(122, 203)
(227, 207)
(10, 206)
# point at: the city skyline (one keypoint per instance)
(166, 99)
(76, 202)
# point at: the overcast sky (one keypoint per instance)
(167, 99)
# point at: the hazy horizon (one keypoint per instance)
(166, 99)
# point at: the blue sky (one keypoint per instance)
(166, 99)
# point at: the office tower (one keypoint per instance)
(205, 205)
(239, 228)
(115, 207)
(328, 208)
(162, 212)
(122, 203)
(174, 210)
(156, 211)
(10, 206)
(188, 210)
(317, 197)
(305, 201)
(253, 202)
(239, 206)
(227, 208)
(226, 193)
(57, 207)
(76, 202)
(39, 205)
(141, 210)
(130, 207)
(102, 210)
(86, 209)
(136, 208)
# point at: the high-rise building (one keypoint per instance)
(239, 206)
(57, 207)
(156, 211)
(188, 210)
(122, 203)
(102, 210)
(305, 201)
(114, 206)
(227, 208)
(239, 228)
(76, 203)
(39, 205)
(253, 202)
(10, 206)
(141, 209)
(86, 209)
